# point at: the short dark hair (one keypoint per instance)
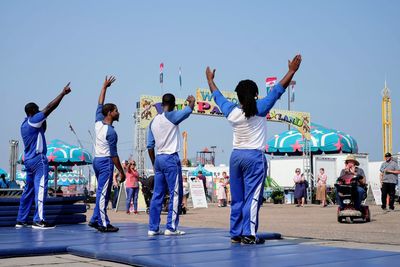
(168, 100)
(247, 92)
(108, 108)
(200, 172)
(31, 108)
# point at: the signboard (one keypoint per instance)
(198, 195)
(300, 120)
(150, 106)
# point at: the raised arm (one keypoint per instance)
(54, 104)
(151, 143)
(265, 104)
(107, 83)
(293, 67)
(225, 105)
(177, 116)
(210, 79)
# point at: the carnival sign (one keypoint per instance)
(150, 106)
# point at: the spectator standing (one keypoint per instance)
(185, 197)
(204, 180)
(389, 175)
(321, 187)
(132, 187)
(221, 192)
(228, 188)
(300, 189)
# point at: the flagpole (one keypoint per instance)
(288, 103)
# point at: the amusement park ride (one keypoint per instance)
(386, 120)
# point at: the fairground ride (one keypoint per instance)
(386, 121)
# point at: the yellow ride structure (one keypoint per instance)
(386, 121)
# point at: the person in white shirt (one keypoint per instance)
(248, 166)
(164, 135)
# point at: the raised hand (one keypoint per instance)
(108, 81)
(210, 74)
(295, 63)
(210, 79)
(191, 100)
(67, 89)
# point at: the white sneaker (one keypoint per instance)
(153, 233)
(176, 232)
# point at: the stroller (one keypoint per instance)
(346, 187)
(147, 190)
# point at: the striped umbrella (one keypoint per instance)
(323, 140)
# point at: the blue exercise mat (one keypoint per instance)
(199, 247)
(11, 201)
(49, 209)
(53, 219)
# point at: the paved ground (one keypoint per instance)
(311, 224)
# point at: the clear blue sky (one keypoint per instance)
(348, 48)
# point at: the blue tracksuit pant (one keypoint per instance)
(103, 168)
(248, 169)
(168, 176)
(37, 175)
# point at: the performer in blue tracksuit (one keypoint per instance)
(248, 166)
(36, 164)
(106, 157)
(164, 135)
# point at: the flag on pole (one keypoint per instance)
(180, 78)
(161, 73)
(292, 84)
(269, 83)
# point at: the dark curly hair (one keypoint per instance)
(108, 108)
(247, 92)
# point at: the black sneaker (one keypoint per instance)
(43, 225)
(252, 240)
(94, 225)
(236, 239)
(21, 225)
(108, 229)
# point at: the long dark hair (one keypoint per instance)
(247, 92)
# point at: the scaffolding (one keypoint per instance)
(140, 143)
(13, 159)
(307, 168)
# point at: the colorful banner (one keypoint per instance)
(300, 120)
(150, 106)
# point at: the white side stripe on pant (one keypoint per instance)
(254, 203)
(41, 198)
(103, 203)
(253, 209)
(176, 201)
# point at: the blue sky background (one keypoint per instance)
(348, 49)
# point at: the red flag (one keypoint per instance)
(161, 72)
(269, 83)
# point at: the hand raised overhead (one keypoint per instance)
(67, 89)
(295, 63)
(210, 74)
(108, 81)
(190, 99)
